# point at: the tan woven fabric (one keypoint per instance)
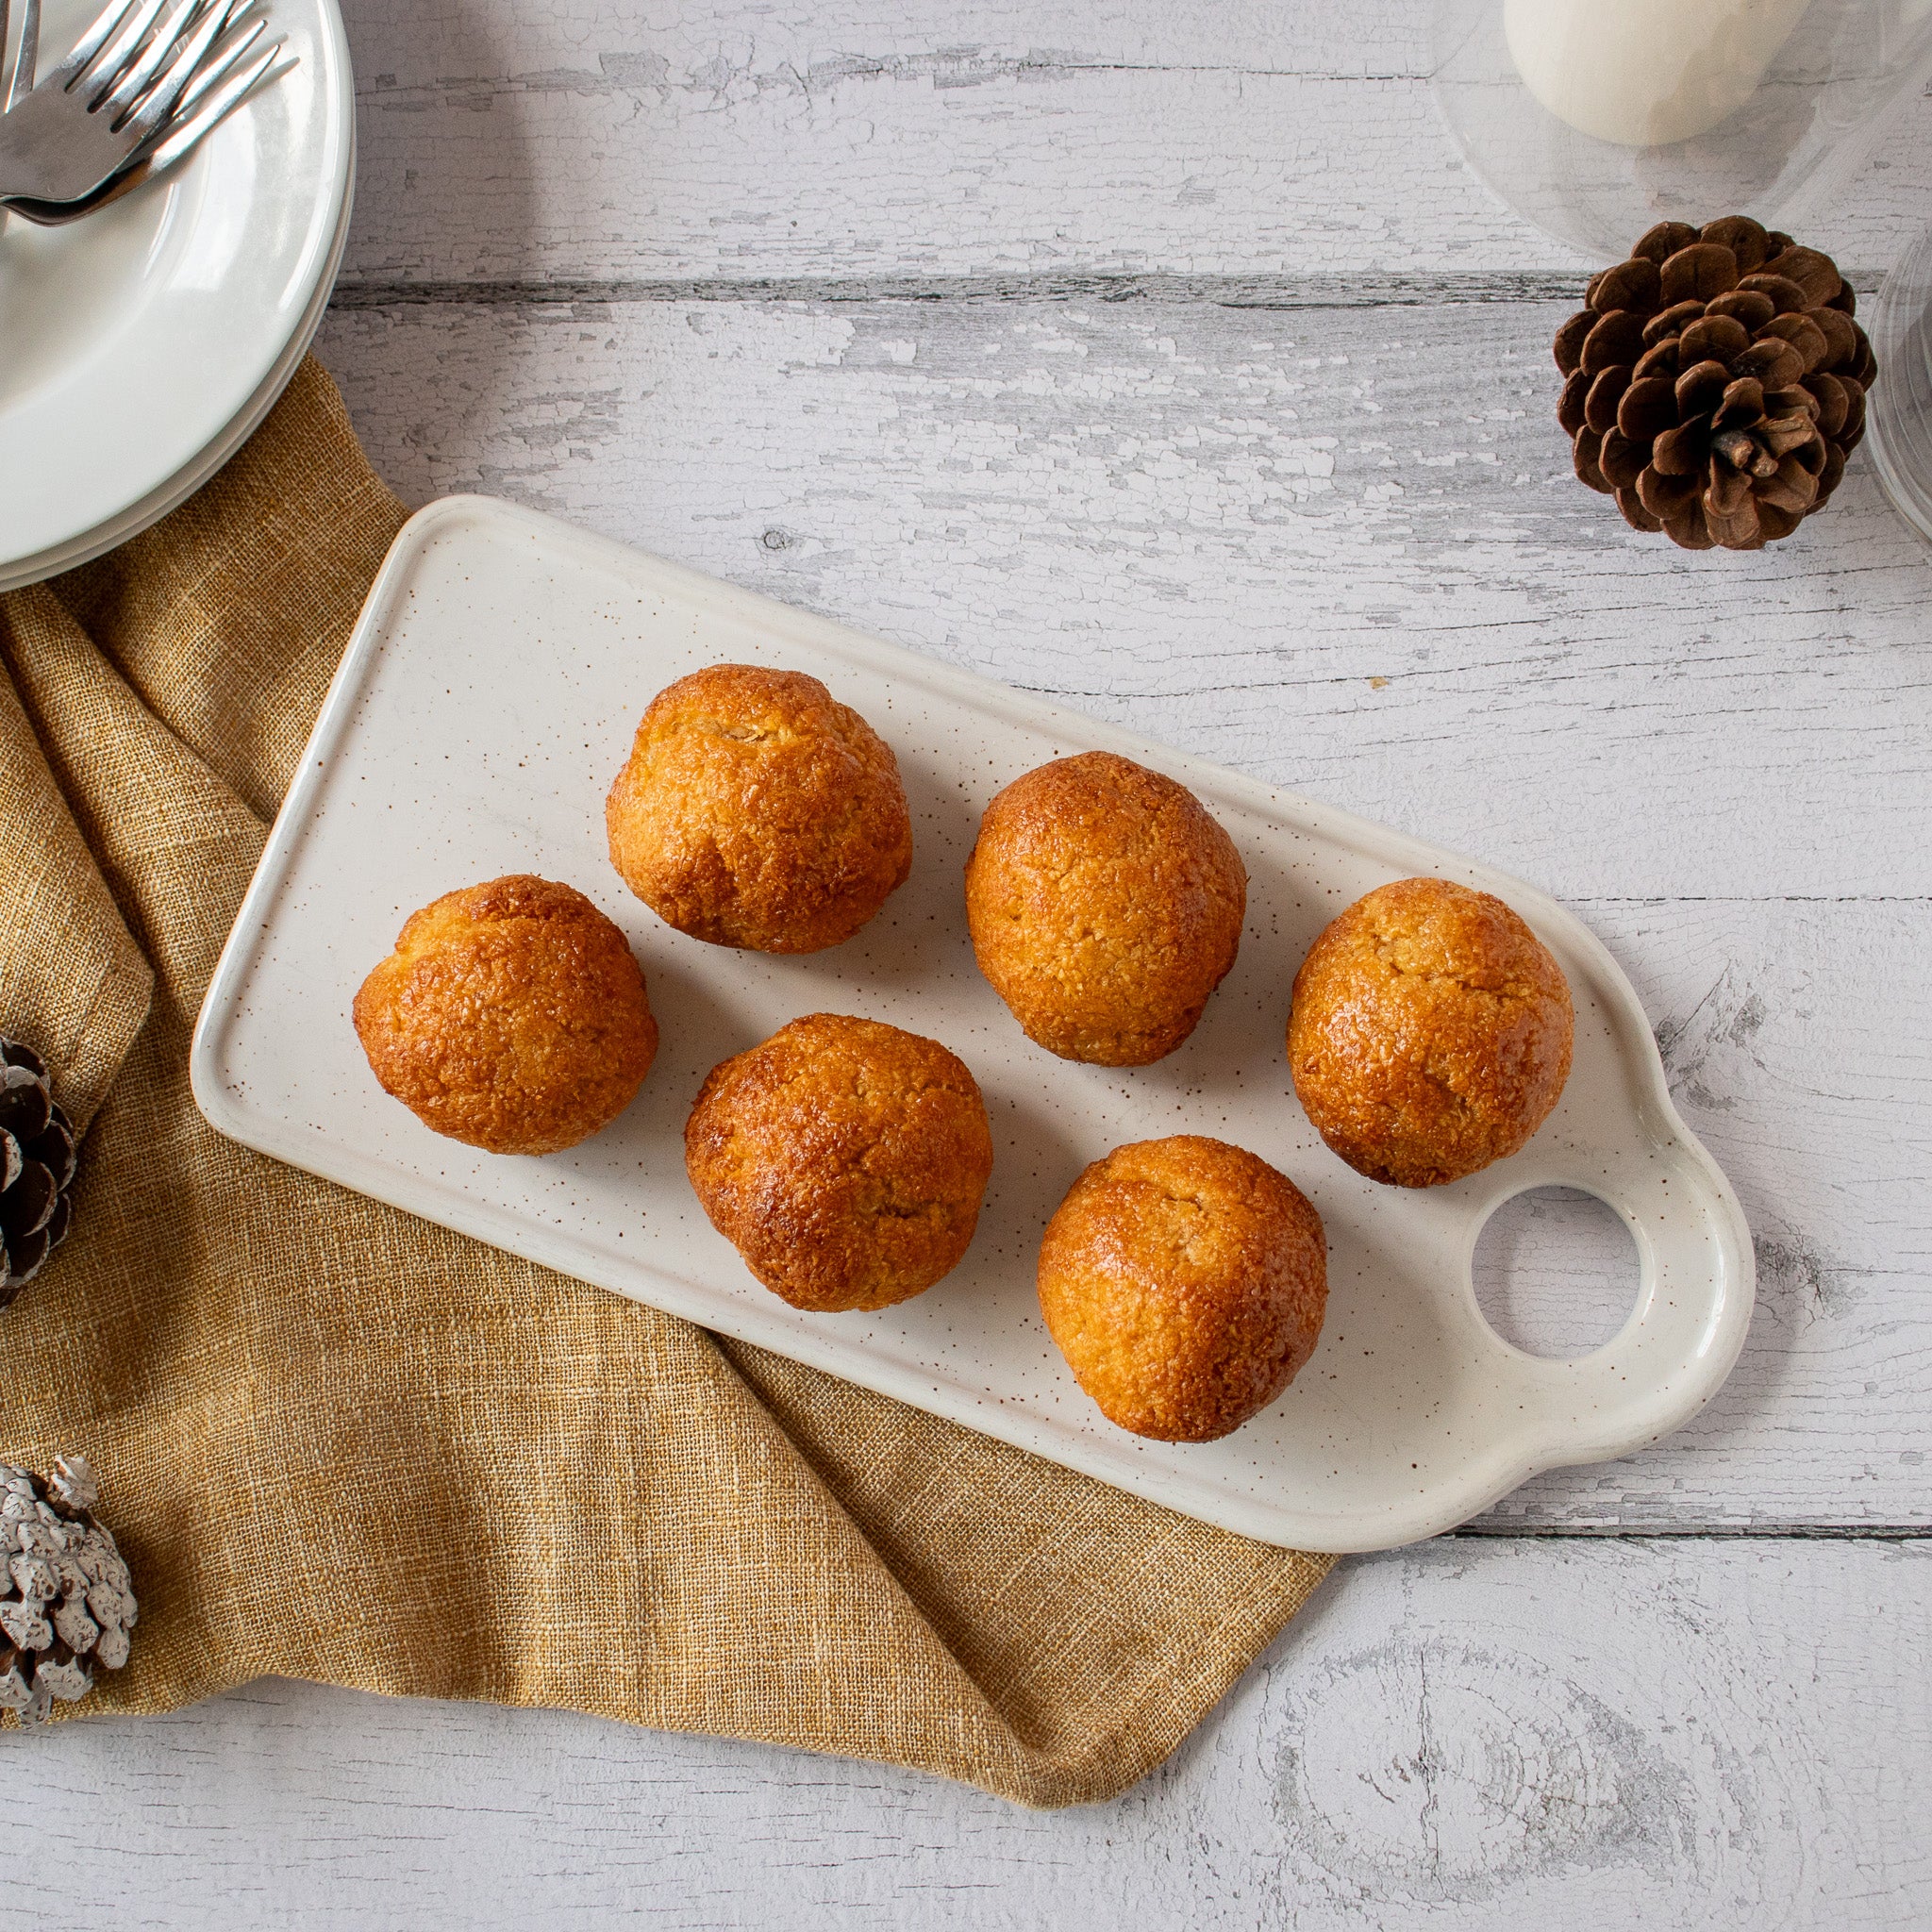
(339, 1443)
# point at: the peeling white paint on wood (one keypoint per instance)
(572, 139)
(1470, 1735)
(1223, 527)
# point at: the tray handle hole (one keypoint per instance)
(1557, 1273)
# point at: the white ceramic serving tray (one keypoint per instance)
(486, 700)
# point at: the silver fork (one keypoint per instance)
(198, 118)
(134, 75)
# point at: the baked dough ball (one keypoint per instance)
(757, 811)
(1104, 904)
(512, 1016)
(1185, 1282)
(845, 1160)
(1430, 1033)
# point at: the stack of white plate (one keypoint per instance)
(140, 347)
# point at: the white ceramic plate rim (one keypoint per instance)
(1620, 1419)
(178, 489)
(212, 382)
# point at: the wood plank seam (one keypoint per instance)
(1693, 1532)
(1291, 292)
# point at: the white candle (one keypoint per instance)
(1642, 73)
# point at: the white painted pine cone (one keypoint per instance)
(68, 1602)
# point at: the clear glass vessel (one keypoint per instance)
(1596, 118)
(1900, 431)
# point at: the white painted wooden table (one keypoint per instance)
(1160, 354)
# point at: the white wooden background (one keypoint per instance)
(1162, 356)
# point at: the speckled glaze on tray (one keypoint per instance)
(486, 700)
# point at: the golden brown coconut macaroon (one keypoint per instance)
(1106, 906)
(757, 811)
(511, 1015)
(1184, 1281)
(845, 1160)
(1430, 1033)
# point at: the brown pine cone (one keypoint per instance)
(1716, 383)
(37, 1162)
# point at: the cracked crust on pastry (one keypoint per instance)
(1106, 906)
(512, 1016)
(1184, 1281)
(1430, 1034)
(843, 1158)
(757, 811)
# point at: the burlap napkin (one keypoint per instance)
(339, 1443)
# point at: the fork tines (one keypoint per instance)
(144, 65)
(146, 82)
